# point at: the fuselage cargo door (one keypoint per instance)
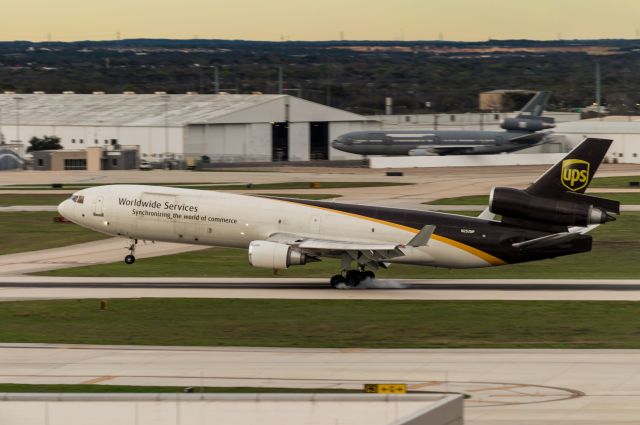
(187, 221)
(98, 211)
(152, 217)
(315, 225)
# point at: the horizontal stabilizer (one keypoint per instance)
(533, 137)
(547, 241)
(605, 204)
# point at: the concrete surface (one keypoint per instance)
(230, 409)
(505, 386)
(465, 160)
(431, 183)
(96, 252)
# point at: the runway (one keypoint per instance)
(85, 254)
(13, 288)
(505, 386)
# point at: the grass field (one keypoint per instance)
(623, 198)
(325, 323)
(617, 182)
(30, 199)
(68, 388)
(614, 255)
(29, 231)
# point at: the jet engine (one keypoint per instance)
(518, 204)
(524, 124)
(276, 256)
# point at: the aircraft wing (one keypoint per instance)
(533, 137)
(372, 253)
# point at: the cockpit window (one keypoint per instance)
(77, 199)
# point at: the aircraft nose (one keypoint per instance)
(65, 207)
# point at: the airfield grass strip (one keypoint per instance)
(28, 231)
(324, 323)
(620, 182)
(632, 198)
(130, 389)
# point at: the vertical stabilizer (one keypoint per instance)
(574, 173)
(535, 106)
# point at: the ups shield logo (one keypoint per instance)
(575, 174)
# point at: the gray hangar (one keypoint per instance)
(223, 127)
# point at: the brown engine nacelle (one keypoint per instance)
(519, 204)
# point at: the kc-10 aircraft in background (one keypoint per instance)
(548, 219)
(523, 131)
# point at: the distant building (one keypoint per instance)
(504, 100)
(226, 128)
(90, 159)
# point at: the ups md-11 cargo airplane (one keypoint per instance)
(521, 132)
(548, 219)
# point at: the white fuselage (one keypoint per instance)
(229, 220)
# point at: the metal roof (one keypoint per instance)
(135, 110)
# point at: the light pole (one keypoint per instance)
(216, 80)
(165, 98)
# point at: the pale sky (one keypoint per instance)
(465, 20)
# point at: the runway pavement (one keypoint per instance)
(96, 252)
(430, 183)
(14, 288)
(505, 386)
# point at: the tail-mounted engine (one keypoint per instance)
(527, 124)
(276, 256)
(571, 209)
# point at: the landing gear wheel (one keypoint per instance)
(336, 280)
(352, 278)
(368, 275)
(130, 259)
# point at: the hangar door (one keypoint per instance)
(280, 141)
(318, 140)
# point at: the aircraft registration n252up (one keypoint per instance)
(548, 219)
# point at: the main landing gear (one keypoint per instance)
(351, 278)
(130, 259)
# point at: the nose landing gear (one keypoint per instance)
(130, 258)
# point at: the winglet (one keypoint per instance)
(423, 236)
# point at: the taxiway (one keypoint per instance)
(505, 386)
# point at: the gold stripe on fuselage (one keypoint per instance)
(495, 261)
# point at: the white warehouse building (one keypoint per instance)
(224, 127)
